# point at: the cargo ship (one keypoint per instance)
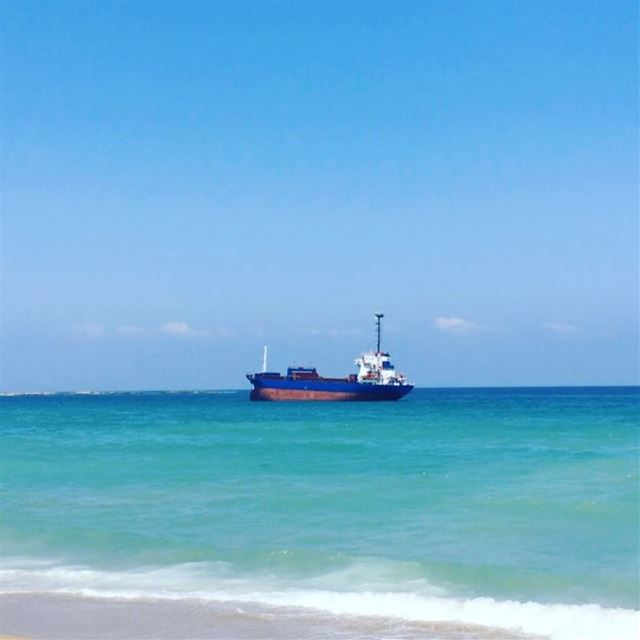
(376, 379)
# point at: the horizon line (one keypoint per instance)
(87, 392)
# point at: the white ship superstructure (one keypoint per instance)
(375, 367)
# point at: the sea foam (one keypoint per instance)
(195, 582)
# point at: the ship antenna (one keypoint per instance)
(379, 316)
(264, 359)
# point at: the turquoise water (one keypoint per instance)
(523, 495)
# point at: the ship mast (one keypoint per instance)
(379, 316)
(264, 360)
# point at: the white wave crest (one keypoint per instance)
(195, 581)
(559, 621)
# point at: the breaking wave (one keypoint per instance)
(216, 582)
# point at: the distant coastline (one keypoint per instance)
(106, 392)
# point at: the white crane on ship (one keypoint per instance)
(376, 367)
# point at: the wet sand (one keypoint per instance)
(66, 617)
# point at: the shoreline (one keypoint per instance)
(75, 617)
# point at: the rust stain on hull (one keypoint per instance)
(298, 394)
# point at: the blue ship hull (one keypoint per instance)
(281, 388)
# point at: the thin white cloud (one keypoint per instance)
(130, 330)
(560, 327)
(90, 330)
(180, 328)
(455, 325)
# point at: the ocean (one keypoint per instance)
(512, 509)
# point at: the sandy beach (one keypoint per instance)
(58, 617)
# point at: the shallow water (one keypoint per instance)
(509, 507)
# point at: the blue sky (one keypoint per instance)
(183, 182)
